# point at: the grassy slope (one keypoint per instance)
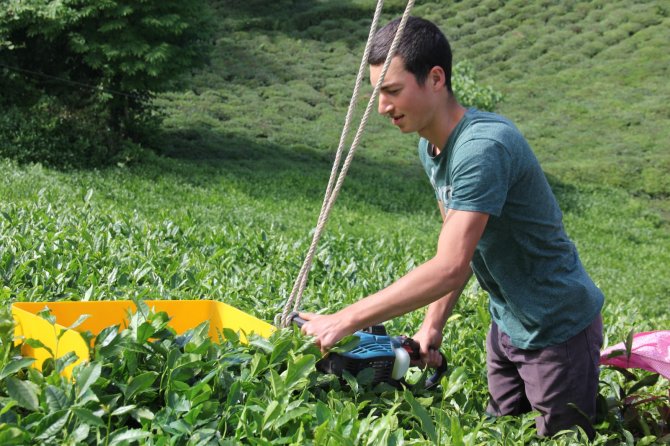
(250, 145)
(582, 80)
(585, 81)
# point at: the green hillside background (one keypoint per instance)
(583, 81)
(250, 145)
(225, 208)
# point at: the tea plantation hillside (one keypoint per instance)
(584, 81)
(224, 209)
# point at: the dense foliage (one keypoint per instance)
(226, 215)
(173, 232)
(90, 68)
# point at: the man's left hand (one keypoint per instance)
(327, 329)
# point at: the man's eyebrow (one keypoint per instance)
(390, 86)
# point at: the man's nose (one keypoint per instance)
(384, 105)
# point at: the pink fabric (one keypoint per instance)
(650, 351)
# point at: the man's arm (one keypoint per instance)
(443, 274)
(429, 335)
(439, 311)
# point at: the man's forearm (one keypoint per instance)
(420, 287)
(439, 311)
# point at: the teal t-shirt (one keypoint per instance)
(540, 294)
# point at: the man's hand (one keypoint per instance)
(327, 329)
(430, 340)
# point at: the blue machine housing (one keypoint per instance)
(375, 351)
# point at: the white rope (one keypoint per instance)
(333, 188)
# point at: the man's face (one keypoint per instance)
(408, 104)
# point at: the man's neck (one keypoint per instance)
(444, 124)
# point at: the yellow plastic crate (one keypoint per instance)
(184, 315)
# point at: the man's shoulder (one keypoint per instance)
(488, 125)
(488, 129)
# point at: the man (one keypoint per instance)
(500, 221)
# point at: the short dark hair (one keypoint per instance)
(422, 47)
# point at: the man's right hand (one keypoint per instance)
(430, 340)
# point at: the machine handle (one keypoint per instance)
(414, 350)
(297, 320)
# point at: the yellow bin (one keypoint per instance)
(184, 315)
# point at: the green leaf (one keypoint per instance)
(234, 393)
(323, 412)
(421, 414)
(87, 197)
(262, 344)
(142, 413)
(56, 398)
(298, 370)
(366, 376)
(23, 392)
(455, 382)
(143, 309)
(144, 332)
(615, 353)
(272, 412)
(7, 407)
(15, 366)
(647, 381)
(291, 415)
(648, 439)
(630, 440)
(628, 343)
(51, 424)
(351, 381)
(80, 320)
(80, 433)
(280, 351)
(130, 435)
(11, 436)
(86, 376)
(46, 315)
(257, 365)
(345, 344)
(123, 409)
(178, 403)
(231, 335)
(107, 343)
(65, 360)
(456, 431)
(277, 386)
(139, 383)
(88, 417)
(36, 343)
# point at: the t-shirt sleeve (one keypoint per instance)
(481, 176)
(428, 166)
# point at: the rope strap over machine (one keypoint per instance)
(337, 179)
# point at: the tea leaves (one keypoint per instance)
(226, 212)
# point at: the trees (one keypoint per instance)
(99, 59)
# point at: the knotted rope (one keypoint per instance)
(334, 186)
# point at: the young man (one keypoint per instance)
(500, 221)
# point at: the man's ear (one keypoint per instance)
(437, 78)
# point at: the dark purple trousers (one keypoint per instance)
(547, 380)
